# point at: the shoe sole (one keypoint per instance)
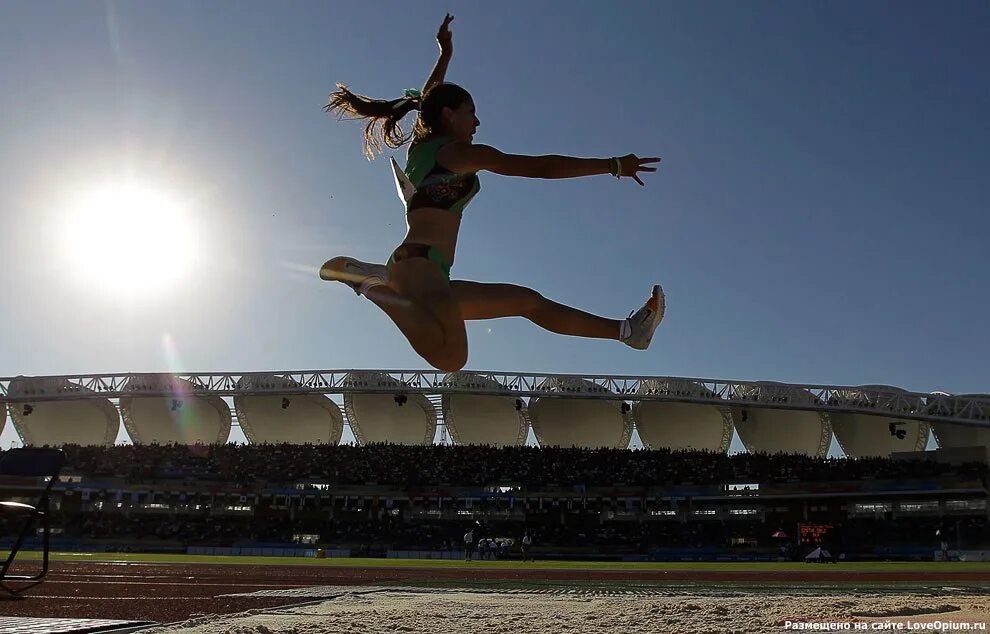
(330, 271)
(658, 294)
(335, 270)
(660, 310)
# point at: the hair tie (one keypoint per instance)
(410, 96)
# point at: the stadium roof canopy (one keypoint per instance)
(674, 425)
(955, 435)
(765, 428)
(483, 418)
(181, 417)
(559, 421)
(87, 419)
(288, 417)
(862, 435)
(396, 417)
(406, 406)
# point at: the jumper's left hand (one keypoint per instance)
(630, 164)
(444, 36)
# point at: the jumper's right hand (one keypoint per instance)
(630, 164)
(444, 36)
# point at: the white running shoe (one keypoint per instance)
(360, 276)
(643, 322)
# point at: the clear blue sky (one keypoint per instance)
(820, 214)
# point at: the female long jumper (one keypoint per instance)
(414, 287)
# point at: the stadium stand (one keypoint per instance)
(387, 500)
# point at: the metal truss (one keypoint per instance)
(890, 402)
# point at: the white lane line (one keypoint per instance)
(164, 583)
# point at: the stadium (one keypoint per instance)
(303, 515)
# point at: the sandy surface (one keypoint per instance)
(456, 612)
(315, 599)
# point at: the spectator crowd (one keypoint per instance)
(483, 465)
(370, 522)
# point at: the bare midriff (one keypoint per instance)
(434, 227)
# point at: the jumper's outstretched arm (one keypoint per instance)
(462, 157)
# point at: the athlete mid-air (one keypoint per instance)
(414, 287)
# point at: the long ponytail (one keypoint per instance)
(383, 117)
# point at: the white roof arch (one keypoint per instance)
(681, 425)
(482, 418)
(863, 435)
(286, 418)
(83, 421)
(397, 418)
(778, 430)
(576, 422)
(178, 417)
(951, 435)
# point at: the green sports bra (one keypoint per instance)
(436, 186)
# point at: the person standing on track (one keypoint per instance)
(468, 544)
(414, 287)
(527, 546)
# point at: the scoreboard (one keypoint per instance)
(813, 534)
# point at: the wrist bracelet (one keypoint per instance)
(614, 167)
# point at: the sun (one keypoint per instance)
(129, 238)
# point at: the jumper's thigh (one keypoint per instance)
(478, 300)
(442, 341)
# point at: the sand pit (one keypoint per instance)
(455, 612)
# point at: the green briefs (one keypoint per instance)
(411, 250)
